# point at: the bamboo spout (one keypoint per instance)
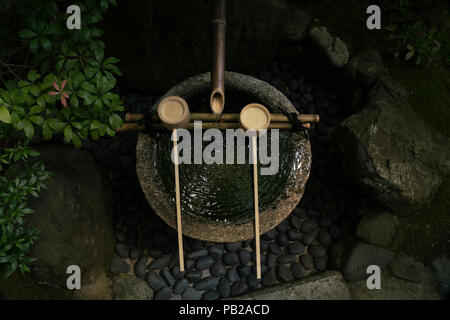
(217, 99)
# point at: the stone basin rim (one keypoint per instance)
(208, 230)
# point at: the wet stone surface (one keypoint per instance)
(299, 246)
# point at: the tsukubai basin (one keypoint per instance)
(217, 199)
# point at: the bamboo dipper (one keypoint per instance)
(174, 113)
(255, 117)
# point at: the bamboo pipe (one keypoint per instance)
(230, 117)
(256, 205)
(217, 98)
(206, 125)
(178, 201)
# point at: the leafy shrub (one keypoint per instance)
(16, 237)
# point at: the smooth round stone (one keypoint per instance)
(282, 239)
(218, 270)
(224, 288)
(262, 244)
(294, 234)
(176, 297)
(189, 265)
(263, 269)
(232, 275)
(207, 283)
(244, 256)
(154, 280)
(191, 294)
(270, 235)
(233, 247)
(253, 282)
(317, 251)
(321, 263)
(159, 263)
(325, 222)
(335, 232)
(163, 294)
(168, 278)
(271, 260)
(140, 267)
(210, 295)
(244, 271)
(307, 261)
(325, 238)
(155, 253)
(275, 248)
(197, 254)
(296, 223)
(174, 261)
(308, 226)
(262, 257)
(180, 286)
(239, 288)
(204, 263)
(287, 258)
(177, 273)
(296, 248)
(216, 251)
(230, 259)
(283, 227)
(120, 235)
(195, 244)
(300, 212)
(246, 243)
(170, 249)
(269, 278)
(122, 250)
(194, 277)
(136, 252)
(119, 266)
(309, 237)
(284, 274)
(298, 271)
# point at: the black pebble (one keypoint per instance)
(155, 253)
(275, 248)
(168, 278)
(194, 277)
(294, 234)
(233, 247)
(335, 232)
(321, 263)
(313, 214)
(159, 263)
(136, 252)
(307, 261)
(163, 294)
(325, 222)
(140, 267)
(180, 286)
(122, 250)
(244, 271)
(204, 263)
(207, 283)
(295, 222)
(216, 251)
(218, 270)
(224, 288)
(296, 248)
(282, 239)
(161, 239)
(231, 259)
(283, 227)
(244, 256)
(262, 244)
(308, 226)
(325, 238)
(300, 212)
(177, 273)
(317, 251)
(298, 271)
(270, 235)
(253, 282)
(191, 294)
(195, 244)
(271, 260)
(232, 275)
(284, 274)
(239, 288)
(269, 278)
(287, 258)
(309, 237)
(211, 295)
(197, 254)
(154, 280)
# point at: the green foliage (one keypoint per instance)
(86, 107)
(415, 40)
(16, 237)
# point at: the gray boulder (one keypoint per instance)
(376, 227)
(131, 288)
(73, 215)
(363, 255)
(333, 49)
(390, 152)
(162, 42)
(365, 67)
(407, 268)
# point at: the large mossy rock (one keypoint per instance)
(73, 215)
(162, 42)
(391, 153)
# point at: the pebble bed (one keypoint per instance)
(297, 247)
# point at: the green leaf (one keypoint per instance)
(409, 55)
(29, 129)
(5, 116)
(115, 121)
(46, 44)
(56, 124)
(76, 141)
(34, 45)
(33, 76)
(37, 120)
(47, 131)
(410, 47)
(68, 133)
(27, 33)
